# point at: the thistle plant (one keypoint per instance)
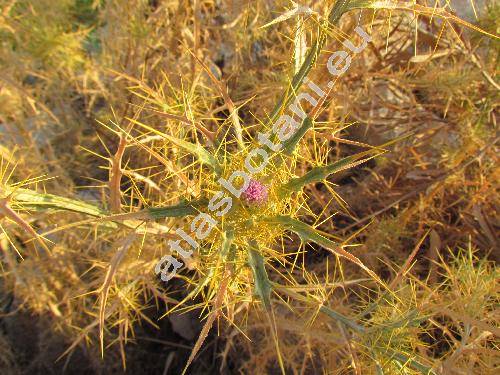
(229, 227)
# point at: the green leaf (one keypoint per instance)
(30, 199)
(318, 174)
(197, 150)
(263, 288)
(228, 250)
(297, 81)
(341, 318)
(411, 319)
(308, 233)
(179, 210)
(262, 284)
(379, 369)
(303, 230)
(414, 364)
(34, 199)
(340, 7)
(324, 309)
(291, 143)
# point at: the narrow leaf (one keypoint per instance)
(319, 174)
(324, 309)
(29, 199)
(179, 210)
(197, 150)
(340, 7)
(291, 143)
(262, 283)
(297, 80)
(263, 289)
(308, 233)
(414, 364)
(227, 252)
(341, 318)
(300, 44)
(34, 199)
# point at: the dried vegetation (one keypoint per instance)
(117, 117)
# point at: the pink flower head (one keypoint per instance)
(255, 193)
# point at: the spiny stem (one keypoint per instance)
(115, 176)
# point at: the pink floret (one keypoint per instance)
(255, 193)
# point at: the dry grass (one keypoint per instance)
(112, 113)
